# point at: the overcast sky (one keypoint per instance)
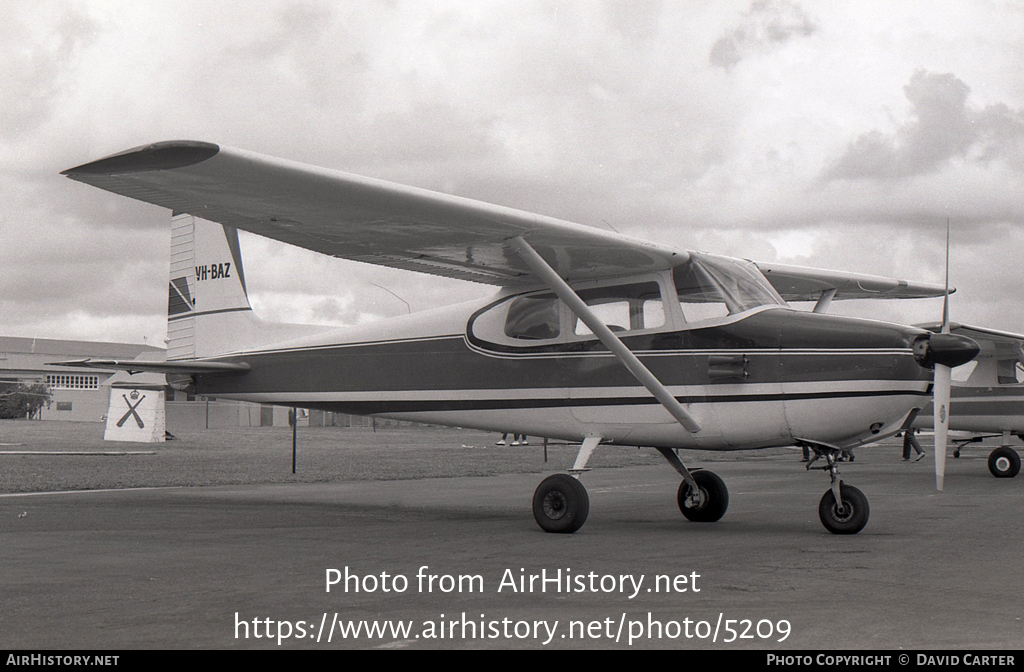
(831, 134)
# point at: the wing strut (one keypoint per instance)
(824, 300)
(563, 291)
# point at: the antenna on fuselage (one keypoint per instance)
(407, 306)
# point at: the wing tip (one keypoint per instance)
(158, 156)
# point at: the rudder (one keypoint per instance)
(208, 311)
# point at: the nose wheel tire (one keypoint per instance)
(850, 517)
(1004, 462)
(561, 504)
(709, 504)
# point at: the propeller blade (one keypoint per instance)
(940, 394)
(941, 421)
(945, 298)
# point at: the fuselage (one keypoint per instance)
(759, 378)
(996, 408)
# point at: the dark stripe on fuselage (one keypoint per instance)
(449, 363)
(981, 401)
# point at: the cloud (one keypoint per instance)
(765, 26)
(36, 77)
(605, 113)
(943, 127)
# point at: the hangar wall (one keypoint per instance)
(76, 394)
(223, 413)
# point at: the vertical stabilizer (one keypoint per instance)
(208, 311)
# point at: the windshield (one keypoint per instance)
(710, 286)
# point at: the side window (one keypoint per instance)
(623, 307)
(614, 314)
(533, 318)
(531, 322)
(653, 311)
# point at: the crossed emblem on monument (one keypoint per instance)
(131, 409)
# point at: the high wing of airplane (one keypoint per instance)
(799, 283)
(590, 336)
(989, 402)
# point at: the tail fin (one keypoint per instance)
(208, 311)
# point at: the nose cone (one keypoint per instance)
(946, 349)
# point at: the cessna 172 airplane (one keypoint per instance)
(989, 402)
(592, 336)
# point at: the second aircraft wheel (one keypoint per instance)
(707, 506)
(561, 504)
(851, 518)
(1004, 462)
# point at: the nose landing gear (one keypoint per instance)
(843, 509)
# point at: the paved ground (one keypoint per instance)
(171, 567)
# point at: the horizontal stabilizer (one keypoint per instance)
(133, 366)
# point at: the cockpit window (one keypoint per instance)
(714, 287)
(533, 318)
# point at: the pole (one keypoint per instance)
(295, 424)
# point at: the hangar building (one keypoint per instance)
(77, 394)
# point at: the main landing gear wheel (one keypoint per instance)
(1004, 462)
(851, 517)
(561, 504)
(709, 504)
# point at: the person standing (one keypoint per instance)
(910, 441)
(517, 439)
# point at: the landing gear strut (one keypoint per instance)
(561, 503)
(843, 509)
(708, 503)
(702, 496)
